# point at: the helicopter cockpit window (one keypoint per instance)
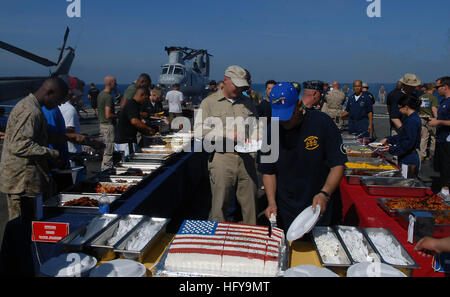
(165, 70)
(178, 70)
(170, 70)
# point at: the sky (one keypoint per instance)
(284, 40)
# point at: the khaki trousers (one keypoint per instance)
(232, 173)
(428, 134)
(107, 133)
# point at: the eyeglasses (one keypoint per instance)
(278, 100)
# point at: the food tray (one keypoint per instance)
(366, 242)
(394, 186)
(131, 180)
(359, 151)
(57, 201)
(69, 246)
(88, 187)
(138, 255)
(411, 263)
(144, 166)
(440, 229)
(160, 269)
(383, 203)
(99, 244)
(355, 176)
(343, 254)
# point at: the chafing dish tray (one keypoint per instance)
(394, 186)
(389, 248)
(98, 187)
(330, 249)
(357, 245)
(355, 150)
(103, 244)
(79, 203)
(80, 238)
(139, 240)
(393, 206)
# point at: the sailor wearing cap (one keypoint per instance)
(231, 173)
(310, 163)
(359, 109)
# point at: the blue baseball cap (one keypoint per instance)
(283, 98)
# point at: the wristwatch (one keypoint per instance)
(326, 194)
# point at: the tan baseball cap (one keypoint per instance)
(410, 79)
(238, 75)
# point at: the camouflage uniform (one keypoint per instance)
(333, 106)
(24, 167)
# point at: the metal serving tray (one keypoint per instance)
(394, 212)
(440, 230)
(58, 201)
(67, 243)
(343, 253)
(78, 188)
(355, 176)
(131, 180)
(394, 186)
(411, 263)
(366, 242)
(144, 166)
(120, 246)
(99, 244)
(161, 270)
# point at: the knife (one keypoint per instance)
(273, 223)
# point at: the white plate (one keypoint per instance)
(250, 147)
(68, 265)
(303, 223)
(309, 271)
(377, 145)
(119, 268)
(367, 269)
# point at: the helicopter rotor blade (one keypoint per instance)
(64, 44)
(27, 55)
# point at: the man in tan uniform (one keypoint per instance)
(230, 172)
(24, 172)
(333, 105)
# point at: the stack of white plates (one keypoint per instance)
(309, 271)
(377, 269)
(119, 268)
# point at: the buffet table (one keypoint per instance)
(361, 209)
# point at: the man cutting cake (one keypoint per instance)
(310, 163)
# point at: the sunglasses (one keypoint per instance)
(437, 87)
(278, 100)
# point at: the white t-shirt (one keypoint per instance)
(71, 119)
(174, 98)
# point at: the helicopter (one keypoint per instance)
(17, 87)
(191, 78)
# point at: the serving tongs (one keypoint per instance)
(382, 173)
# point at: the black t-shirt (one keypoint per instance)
(94, 93)
(127, 131)
(306, 154)
(264, 109)
(392, 101)
(152, 109)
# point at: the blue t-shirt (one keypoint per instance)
(405, 143)
(56, 124)
(306, 154)
(443, 132)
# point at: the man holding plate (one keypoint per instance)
(311, 161)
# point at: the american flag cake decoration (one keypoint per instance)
(227, 248)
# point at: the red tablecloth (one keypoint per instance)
(361, 209)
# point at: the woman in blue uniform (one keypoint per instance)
(407, 142)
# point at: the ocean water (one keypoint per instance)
(260, 87)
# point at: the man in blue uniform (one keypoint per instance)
(310, 163)
(442, 153)
(359, 109)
